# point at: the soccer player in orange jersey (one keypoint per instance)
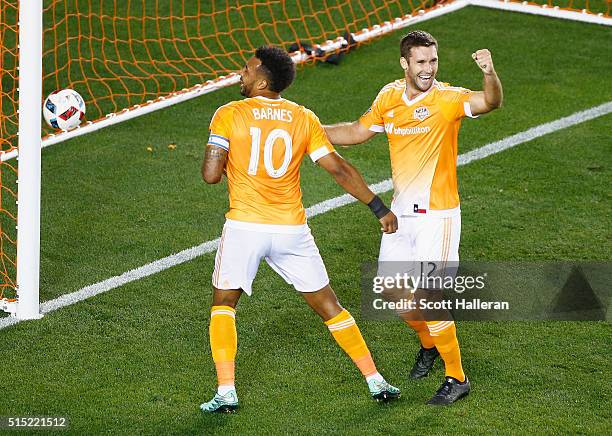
(421, 118)
(259, 143)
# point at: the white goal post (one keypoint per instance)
(26, 306)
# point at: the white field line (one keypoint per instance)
(317, 209)
(544, 10)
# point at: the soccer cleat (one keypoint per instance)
(425, 359)
(450, 391)
(227, 403)
(383, 391)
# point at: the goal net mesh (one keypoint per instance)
(8, 141)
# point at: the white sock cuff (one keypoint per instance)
(225, 389)
(376, 377)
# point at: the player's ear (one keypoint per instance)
(262, 84)
(404, 63)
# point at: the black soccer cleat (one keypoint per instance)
(450, 391)
(425, 359)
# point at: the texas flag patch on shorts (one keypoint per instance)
(417, 210)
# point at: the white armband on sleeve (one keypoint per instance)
(319, 153)
(468, 110)
(219, 141)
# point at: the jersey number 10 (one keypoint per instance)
(268, 147)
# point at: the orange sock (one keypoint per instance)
(223, 342)
(347, 335)
(444, 335)
(420, 327)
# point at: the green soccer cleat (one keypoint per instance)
(227, 403)
(383, 391)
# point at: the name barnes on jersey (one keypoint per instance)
(273, 114)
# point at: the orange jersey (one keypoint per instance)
(266, 141)
(422, 136)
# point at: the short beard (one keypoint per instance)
(415, 81)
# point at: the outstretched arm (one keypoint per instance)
(348, 133)
(352, 182)
(213, 164)
(491, 96)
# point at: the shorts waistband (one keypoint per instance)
(268, 228)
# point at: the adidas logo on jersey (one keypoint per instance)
(421, 113)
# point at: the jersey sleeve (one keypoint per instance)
(221, 128)
(455, 102)
(318, 144)
(372, 119)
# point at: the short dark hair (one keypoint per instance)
(277, 66)
(416, 38)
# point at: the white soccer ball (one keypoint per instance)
(64, 109)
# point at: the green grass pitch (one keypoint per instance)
(136, 359)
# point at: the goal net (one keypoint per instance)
(129, 57)
(8, 143)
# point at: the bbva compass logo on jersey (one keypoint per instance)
(421, 113)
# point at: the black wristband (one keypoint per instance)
(378, 208)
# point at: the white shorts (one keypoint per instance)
(290, 251)
(422, 245)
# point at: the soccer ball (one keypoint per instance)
(64, 109)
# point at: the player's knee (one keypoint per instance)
(226, 297)
(324, 302)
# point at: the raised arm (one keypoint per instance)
(492, 95)
(352, 182)
(213, 164)
(348, 133)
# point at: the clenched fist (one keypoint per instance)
(484, 60)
